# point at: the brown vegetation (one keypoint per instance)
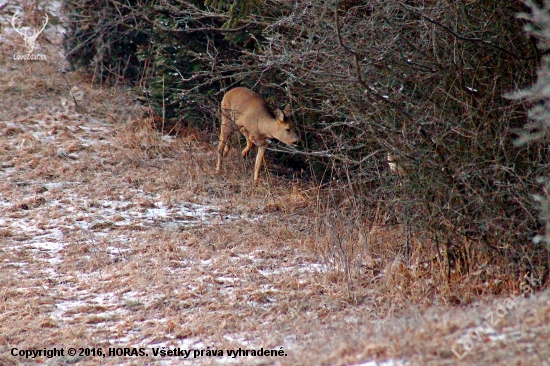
(114, 235)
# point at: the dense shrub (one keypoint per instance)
(422, 81)
(425, 83)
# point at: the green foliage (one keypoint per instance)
(171, 49)
(104, 36)
(184, 56)
(238, 9)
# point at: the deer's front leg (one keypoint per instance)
(259, 160)
(249, 143)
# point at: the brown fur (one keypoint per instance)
(246, 111)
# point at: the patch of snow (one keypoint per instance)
(383, 363)
(497, 337)
(62, 307)
(227, 279)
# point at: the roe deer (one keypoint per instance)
(247, 111)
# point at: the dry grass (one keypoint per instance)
(113, 235)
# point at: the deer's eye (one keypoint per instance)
(288, 130)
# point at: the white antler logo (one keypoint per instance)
(30, 40)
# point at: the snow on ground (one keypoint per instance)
(89, 228)
(114, 236)
(45, 218)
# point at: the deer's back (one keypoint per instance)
(247, 108)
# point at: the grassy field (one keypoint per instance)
(114, 236)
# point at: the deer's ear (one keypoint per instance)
(279, 115)
(287, 111)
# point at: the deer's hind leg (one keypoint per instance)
(226, 130)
